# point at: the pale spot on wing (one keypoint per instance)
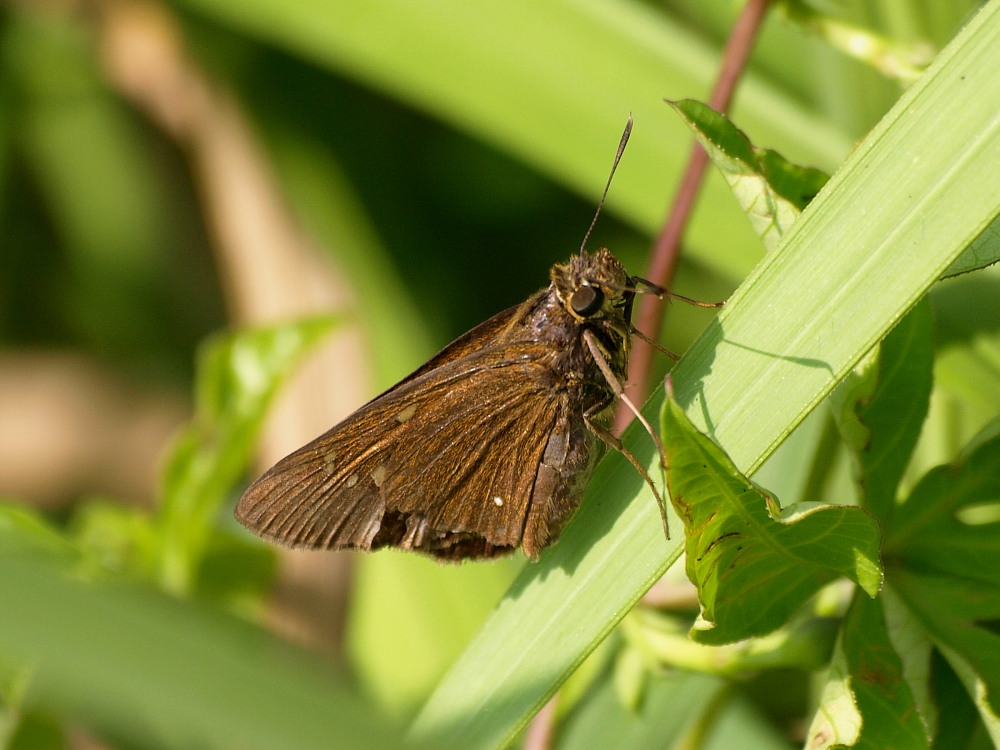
(416, 529)
(351, 481)
(498, 501)
(378, 475)
(407, 414)
(328, 461)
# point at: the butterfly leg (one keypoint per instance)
(612, 442)
(619, 391)
(605, 435)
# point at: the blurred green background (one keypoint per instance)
(169, 171)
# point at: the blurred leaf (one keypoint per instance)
(630, 673)
(236, 570)
(882, 408)
(670, 711)
(399, 657)
(795, 328)
(238, 375)
(112, 536)
(867, 688)
(753, 562)
(153, 672)
(901, 61)
(91, 162)
(37, 731)
(943, 560)
(25, 530)
(806, 644)
(552, 84)
(593, 669)
(771, 191)
(390, 317)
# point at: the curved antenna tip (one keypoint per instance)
(600, 204)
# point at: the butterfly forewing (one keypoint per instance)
(424, 466)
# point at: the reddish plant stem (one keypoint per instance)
(666, 250)
(542, 729)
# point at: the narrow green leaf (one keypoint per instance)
(754, 564)
(771, 190)
(802, 320)
(882, 408)
(23, 530)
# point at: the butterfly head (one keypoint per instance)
(593, 286)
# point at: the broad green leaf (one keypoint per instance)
(915, 650)
(814, 306)
(837, 722)
(967, 364)
(944, 563)
(237, 377)
(966, 368)
(867, 688)
(957, 717)
(983, 252)
(958, 614)
(754, 563)
(882, 408)
(155, 672)
(948, 524)
(771, 190)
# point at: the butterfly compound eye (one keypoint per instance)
(586, 301)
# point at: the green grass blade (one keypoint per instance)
(908, 202)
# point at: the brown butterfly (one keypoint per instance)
(485, 448)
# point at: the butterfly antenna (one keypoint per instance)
(600, 203)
